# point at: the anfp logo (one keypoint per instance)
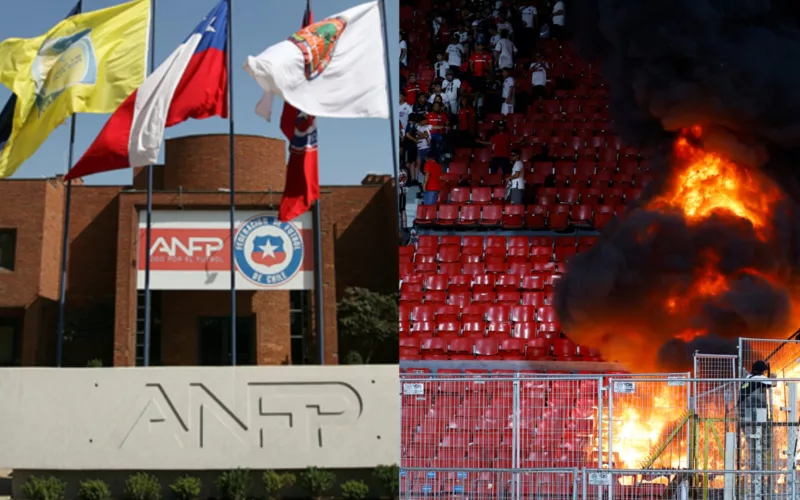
(62, 63)
(268, 252)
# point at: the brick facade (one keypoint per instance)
(359, 240)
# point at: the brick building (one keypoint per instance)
(105, 309)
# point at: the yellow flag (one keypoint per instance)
(88, 63)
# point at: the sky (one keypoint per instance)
(349, 148)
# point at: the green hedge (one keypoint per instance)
(236, 484)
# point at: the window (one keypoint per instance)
(299, 325)
(8, 248)
(9, 341)
(214, 341)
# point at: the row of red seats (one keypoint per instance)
(495, 242)
(510, 216)
(549, 272)
(484, 195)
(453, 253)
(474, 330)
(508, 348)
(492, 313)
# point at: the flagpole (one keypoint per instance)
(392, 123)
(232, 163)
(148, 311)
(62, 295)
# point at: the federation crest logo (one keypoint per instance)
(62, 63)
(268, 252)
(317, 43)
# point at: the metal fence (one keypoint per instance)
(640, 484)
(783, 356)
(668, 424)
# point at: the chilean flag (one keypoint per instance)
(302, 172)
(191, 83)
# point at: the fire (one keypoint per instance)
(706, 183)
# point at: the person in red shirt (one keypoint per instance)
(433, 181)
(480, 63)
(413, 89)
(466, 123)
(501, 149)
(439, 123)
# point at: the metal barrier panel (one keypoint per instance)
(640, 484)
(782, 356)
(715, 365)
(649, 421)
(490, 484)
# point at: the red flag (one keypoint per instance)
(302, 172)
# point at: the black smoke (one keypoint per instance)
(732, 67)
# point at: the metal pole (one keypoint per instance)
(62, 298)
(318, 295)
(148, 312)
(232, 182)
(392, 123)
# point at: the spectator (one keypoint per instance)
(508, 92)
(559, 31)
(441, 66)
(528, 12)
(461, 33)
(421, 107)
(493, 38)
(503, 25)
(413, 89)
(423, 141)
(516, 184)
(466, 124)
(411, 150)
(439, 123)
(402, 191)
(403, 51)
(452, 87)
(538, 78)
(432, 183)
(437, 92)
(455, 53)
(404, 110)
(492, 95)
(501, 149)
(480, 63)
(505, 50)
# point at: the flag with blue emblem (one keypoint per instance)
(7, 114)
(88, 63)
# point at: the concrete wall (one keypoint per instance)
(173, 418)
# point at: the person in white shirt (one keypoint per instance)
(494, 37)
(528, 36)
(404, 110)
(441, 66)
(558, 21)
(538, 78)
(508, 92)
(504, 51)
(403, 51)
(450, 91)
(503, 25)
(423, 141)
(455, 53)
(516, 184)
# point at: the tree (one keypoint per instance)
(369, 318)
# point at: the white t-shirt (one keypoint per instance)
(454, 53)
(538, 74)
(528, 15)
(507, 50)
(424, 142)
(508, 84)
(440, 68)
(558, 18)
(462, 36)
(519, 182)
(404, 59)
(404, 110)
(450, 90)
(437, 24)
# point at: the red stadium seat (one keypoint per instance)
(448, 214)
(513, 216)
(491, 215)
(426, 215)
(459, 195)
(470, 215)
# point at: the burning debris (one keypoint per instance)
(711, 252)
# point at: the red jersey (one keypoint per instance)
(438, 121)
(501, 143)
(466, 119)
(434, 172)
(481, 62)
(411, 91)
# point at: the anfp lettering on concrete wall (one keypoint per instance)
(199, 418)
(190, 250)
